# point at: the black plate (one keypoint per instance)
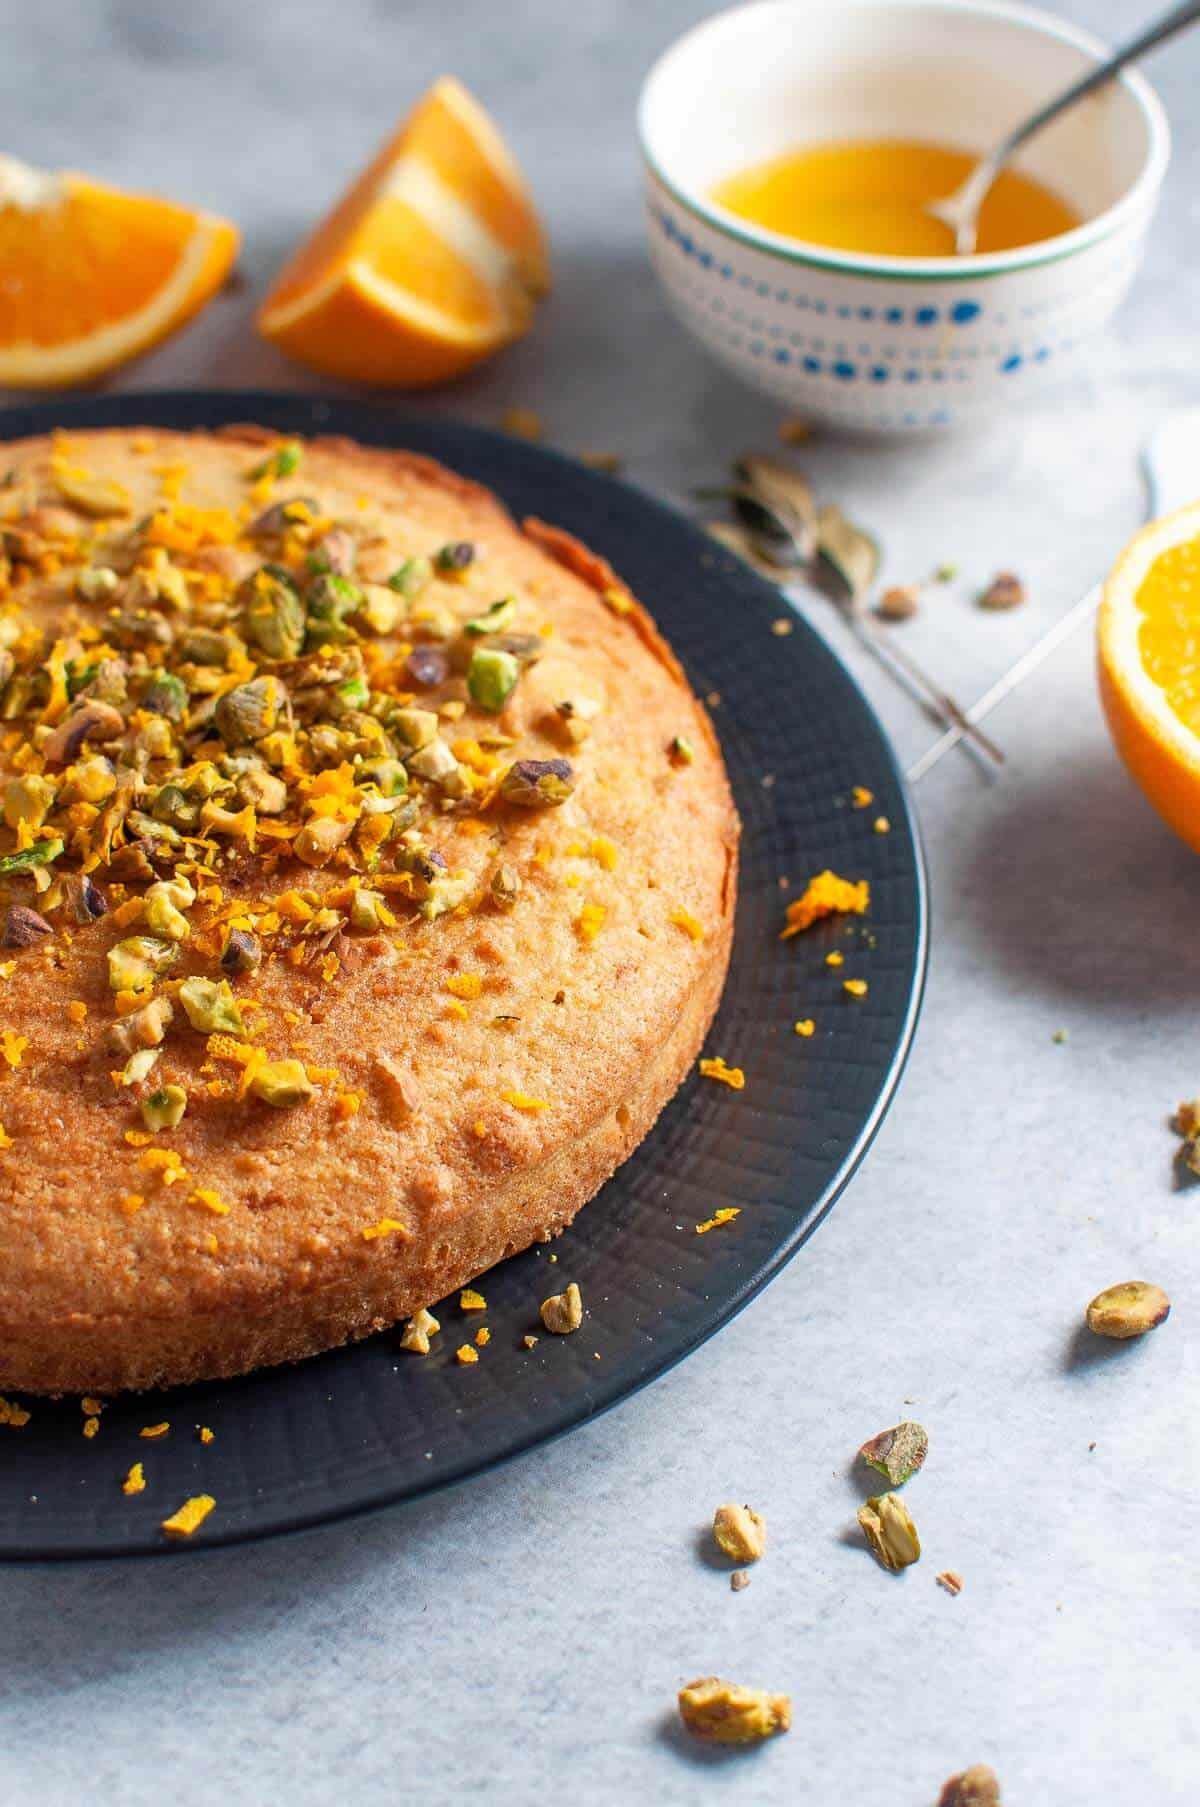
(363, 1427)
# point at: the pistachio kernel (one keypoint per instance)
(563, 1313)
(319, 840)
(740, 1532)
(681, 751)
(494, 619)
(1006, 591)
(978, 1786)
(538, 783)
(414, 727)
(274, 619)
(135, 963)
(505, 887)
(411, 577)
(242, 952)
(282, 1083)
(23, 927)
(726, 1713)
(211, 1006)
(282, 515)
(28, 800)
(454, 559)
(331, 601)
(1127, 1310)
(491, 678)
(900, 603)
(248, 711)
(164, 1108)
(284, 461)
(95, 582)
(897, 1454)
(889, 1529)
(426, 667)
(418, 1331)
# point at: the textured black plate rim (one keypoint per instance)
(382, 424)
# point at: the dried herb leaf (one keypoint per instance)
(848, 559)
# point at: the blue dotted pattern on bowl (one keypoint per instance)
(943, 348)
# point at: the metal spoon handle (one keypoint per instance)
(1038, 652)
(946, 706)
(960, 210)
(1187, 13)
(920, 687)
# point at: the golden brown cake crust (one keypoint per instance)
(477, 1077)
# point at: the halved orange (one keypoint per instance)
(431, 261)
(91, 275)
(1149, 647)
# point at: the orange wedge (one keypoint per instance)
(428, 264)
(1149, 644)
(92, 275)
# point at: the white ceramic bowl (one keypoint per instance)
(891, 344)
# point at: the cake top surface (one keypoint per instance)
(358, 849)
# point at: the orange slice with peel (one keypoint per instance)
(94, 275)
(1149, 646)
(431, 261)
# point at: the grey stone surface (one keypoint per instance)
(524, 1636)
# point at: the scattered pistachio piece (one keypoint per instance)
(726, 1713)
(23, 927)
(491, 677)
(1127, 1310)
(740, 1532)
(411, 577)
(242, 952)
(494, 620)
(899, 603)
(139, 1066)
(414, 727)
(681, 751)
(211, 1006)
(143, 1028)
(563, 1312)
(505, 887)
(897, 1454)
(164, 904)
(331, 601)
(164, 1108)
(538, 783)
(96, 582)
(284, 461)
(28, 800)
(418, 1331)
(978, 1786)
(1006, 591)
(135, 963)
(248, 711)
(455, 559)
(28, 859)
(275, 617)
(282, 1083)
(889, 1529)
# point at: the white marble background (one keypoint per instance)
(524, 1636)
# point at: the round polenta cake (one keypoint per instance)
(367, 877)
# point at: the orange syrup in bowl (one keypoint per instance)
(870, 195)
